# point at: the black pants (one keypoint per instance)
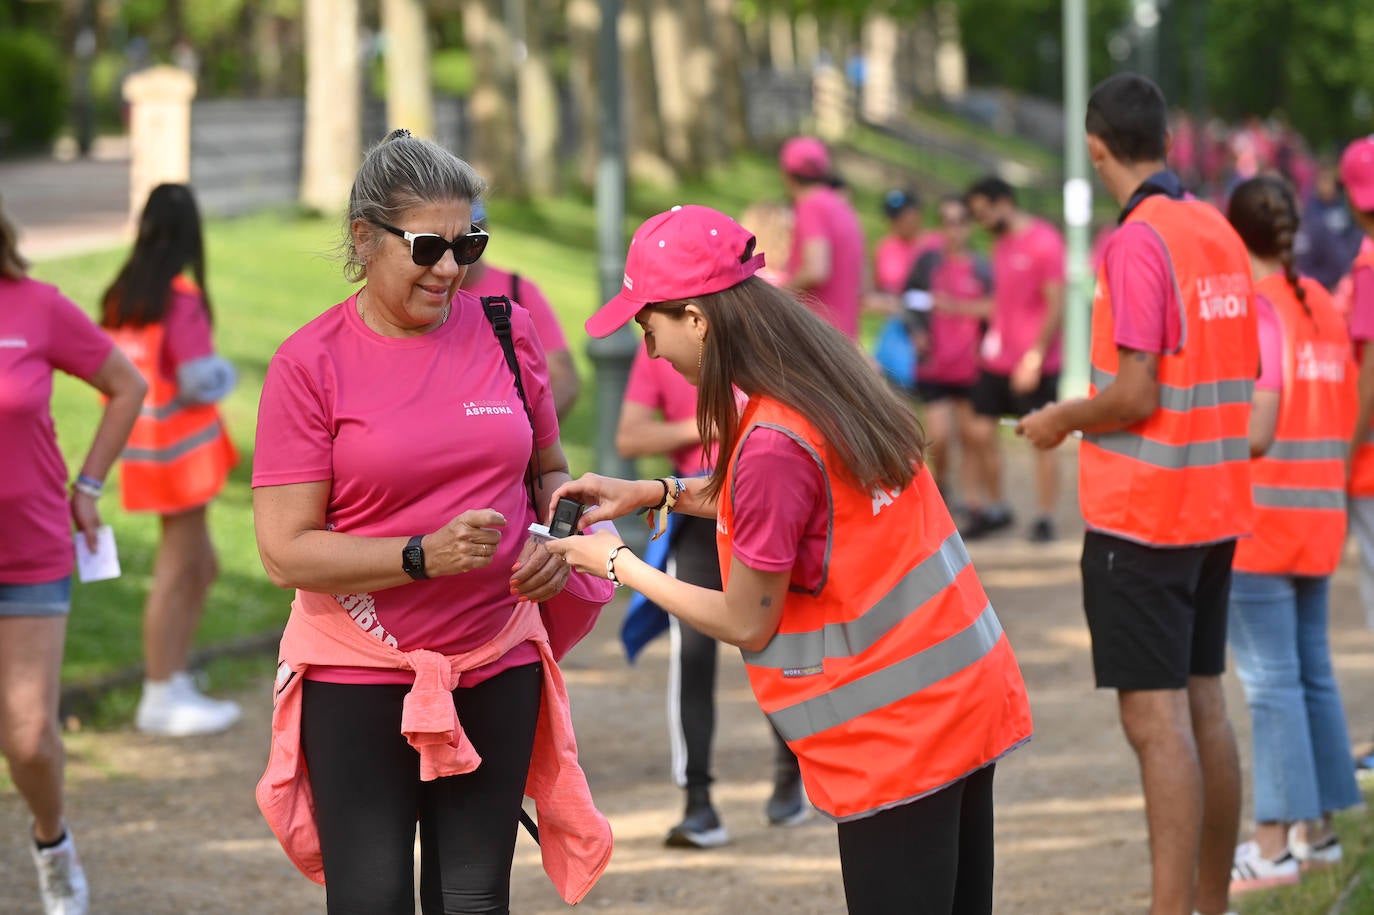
(692, 668)
(368, 795)
(929, 857)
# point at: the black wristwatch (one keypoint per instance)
(413, 558)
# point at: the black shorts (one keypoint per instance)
(993, 396)
(1157, 616)
(932, 391)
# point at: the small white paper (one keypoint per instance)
(540, 532)
(102, 564)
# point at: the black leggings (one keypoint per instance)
(692, 677)
(368, 796)
(929, 857)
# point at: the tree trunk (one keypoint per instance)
(643, 120)
(700, 65)
(880, 100)
(539, 115)
(782, 49)
(667, 40)
(494, 147)
(409, 101)
(728, 35)
(584, 21)
(333, 104)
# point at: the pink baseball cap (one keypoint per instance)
(684, 252)
(805, 157)
(1357, 173)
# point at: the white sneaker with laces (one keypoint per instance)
(1253, 871)
(176, 708)
(60, 878)
(1325, 853)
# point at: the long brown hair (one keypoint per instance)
(169, 241)
(764, 342)
(1264, 213)
(12, 264)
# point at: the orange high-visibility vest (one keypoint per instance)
(178, 455)
(1362, 471)
(1181, 477)
(1299, 483)
(893, 679)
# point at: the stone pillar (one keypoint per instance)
(880, 94)
(831, 102)
(332, 147)
(951, 67)
(159, 131)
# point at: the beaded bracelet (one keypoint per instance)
(610, 563)
(88, 486)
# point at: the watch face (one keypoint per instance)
(413, 558)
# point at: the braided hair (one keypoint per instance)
(1264, 213)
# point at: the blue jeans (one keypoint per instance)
(1278, 635)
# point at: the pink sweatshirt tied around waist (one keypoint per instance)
(574, 837)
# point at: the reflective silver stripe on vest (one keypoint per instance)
(1283, 497)
(930, 576)
(1315, 449)
(1173, 457)
(1208, 394)
(167, 455)
(892, 683)
(166, 411)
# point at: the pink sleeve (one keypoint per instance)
(541, 313)
(1142, 290)
(186, 329)
(809, 221)
(778, 489)
(1052, 257)
(643, 387)
(534, 375)
(1362, 304)
(77, 345)
(295, 442)
(1271, 346)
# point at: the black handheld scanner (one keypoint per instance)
(565, 515)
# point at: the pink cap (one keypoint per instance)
(1357, 174)
(805, 157)
(684, 252)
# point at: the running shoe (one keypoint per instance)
(787, 805)
(1313, 856)
(986, 521)
(1042, 531)
(178, 709)
(700, 827)
(1252, 871)
(61, 881)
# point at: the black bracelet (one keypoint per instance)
(664, 501)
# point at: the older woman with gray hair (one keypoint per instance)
(397, 450)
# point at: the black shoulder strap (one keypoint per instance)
(515, 287)
(497, 310)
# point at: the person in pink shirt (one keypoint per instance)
(484, 279)
(42, 332)
(659, 417)
(1021, 357)
(906, 240)
(954, 285)
(179, 456)
(398, 467)
(825, 266)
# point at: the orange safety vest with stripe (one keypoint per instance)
(1362, 471)
(178, 455)
(1299, 483)
(1181, 476)
(893, 679)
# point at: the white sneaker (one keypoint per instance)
(1252, 871)
(1325, 853)
(61, 879)
(176, 708)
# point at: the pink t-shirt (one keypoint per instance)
(40, 330)
(411, 432)
(1023, 264)
(823, 213)
(782, 509)
(654, 383)
(1362, 304)
(185, 331)
(495, 281)
(1145, 307)
(1270, 346)
(954, 339)
(893, 258)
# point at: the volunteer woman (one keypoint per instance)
(179, 455)
(390, 489)
(1302, 416)
(869, 640)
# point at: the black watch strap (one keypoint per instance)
(413, 558)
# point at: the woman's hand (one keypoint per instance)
(607, 497)
(538, 574)
(586, 552)
(86, 517)
(467, 542)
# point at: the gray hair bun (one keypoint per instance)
(397, 134)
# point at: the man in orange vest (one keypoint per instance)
(1164, 483)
